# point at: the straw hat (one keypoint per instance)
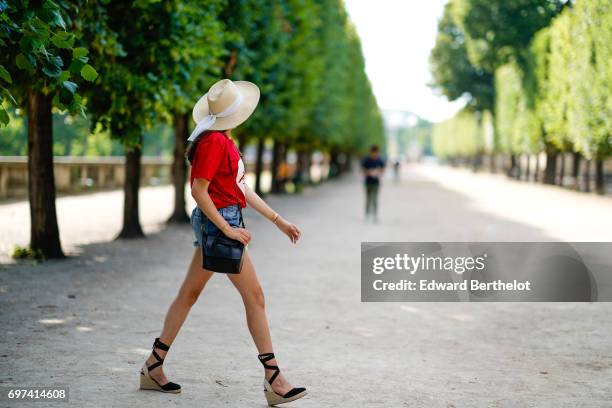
(225, 106)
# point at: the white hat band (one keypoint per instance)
(207, 121)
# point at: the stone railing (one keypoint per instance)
(74, 174)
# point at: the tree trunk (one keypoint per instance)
(587, 176)
(277, 157)
(562, 170)
(512, 171)
(551, 166)
(334, 171)
(348, 162)
(576, 170)
(284, 161)
(303, 169)
(600, 186)
(492, 167)
(44, 232)
(528, 168)
(308, 166)
(179, 168)
(342, 162)
(131, 221)
(298, 177)
(259, 165)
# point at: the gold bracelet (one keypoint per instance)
(275, 218)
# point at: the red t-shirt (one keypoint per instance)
(210, 162)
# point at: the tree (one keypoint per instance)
(455, 75)
(460, 138)
(258, 36)
(589, 113)
(491, 35)
(365, 122)
(331, 113)
(500, 32)
(497, 31)
(536, 85)
(43, 61)
(129, 94)
(556, 100)
(305, 74)
(451, 69)
(303, 66)
(516, 123)
(190, 69)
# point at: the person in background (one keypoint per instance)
(373, 166)
(397, 166)
(283, 176)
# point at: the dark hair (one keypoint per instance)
(191, 148)
(374, 149)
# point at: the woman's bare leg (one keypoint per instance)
(254, 303)
(188, 294)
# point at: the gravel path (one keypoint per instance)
(88, 322)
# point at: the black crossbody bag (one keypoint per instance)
(220, 253)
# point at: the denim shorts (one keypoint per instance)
(201, 224)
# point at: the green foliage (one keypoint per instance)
(460, 136)
(331, 113)
(196, 38)
(306, 58)
(133, 71)
(258, 42)
(305, 69)
(451, 69)
(158, 141)
(135, 64)
(73, 136)
(20, 253)
(13, 140)
(589, 113)
(487, 129)
(555, 97)
(514, 118)
(553, 87)
(346, 115)
(37, 44)
(564, 97)
(536, 85)
(497, 31)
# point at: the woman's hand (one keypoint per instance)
(291, 230)
(239, 234)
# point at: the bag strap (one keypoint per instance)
(229, 162)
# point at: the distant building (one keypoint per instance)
(408, 135)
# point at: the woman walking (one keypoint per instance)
(219, 189)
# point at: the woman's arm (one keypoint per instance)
(255, 201)
(199, 191)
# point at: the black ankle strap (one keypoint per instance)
(264, 358)
(158, 344)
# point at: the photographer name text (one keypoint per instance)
(458, 265)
